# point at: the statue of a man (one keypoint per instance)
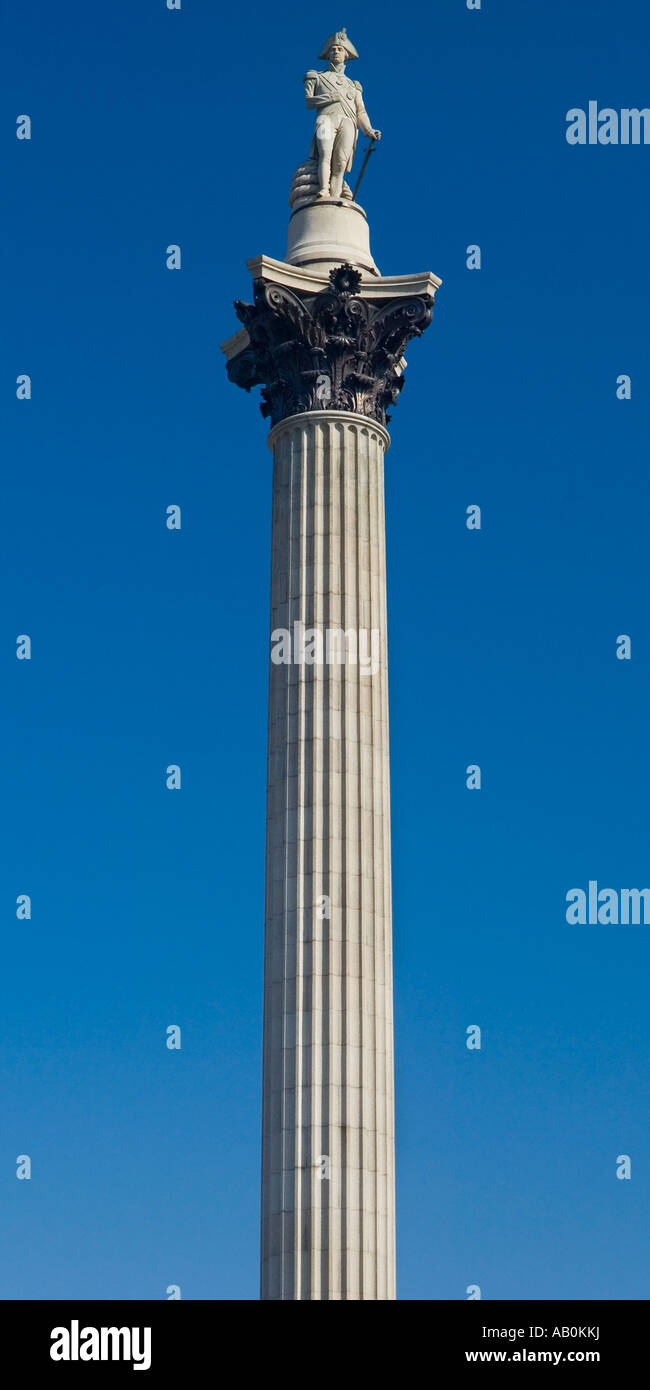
(341, 114)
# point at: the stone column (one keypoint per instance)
(328, 1146)
(327, 350)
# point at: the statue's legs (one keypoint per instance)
(325, 133)
(343, 147)
(335, 142)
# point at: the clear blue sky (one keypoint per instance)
(152, 127)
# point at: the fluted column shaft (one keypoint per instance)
(328, 1219)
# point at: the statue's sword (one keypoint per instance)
(372, 146)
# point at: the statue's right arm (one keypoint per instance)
(310, 79)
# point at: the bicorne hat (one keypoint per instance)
(341, 38)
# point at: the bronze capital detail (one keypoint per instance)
(332, 351)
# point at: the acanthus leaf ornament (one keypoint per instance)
(328, 351)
